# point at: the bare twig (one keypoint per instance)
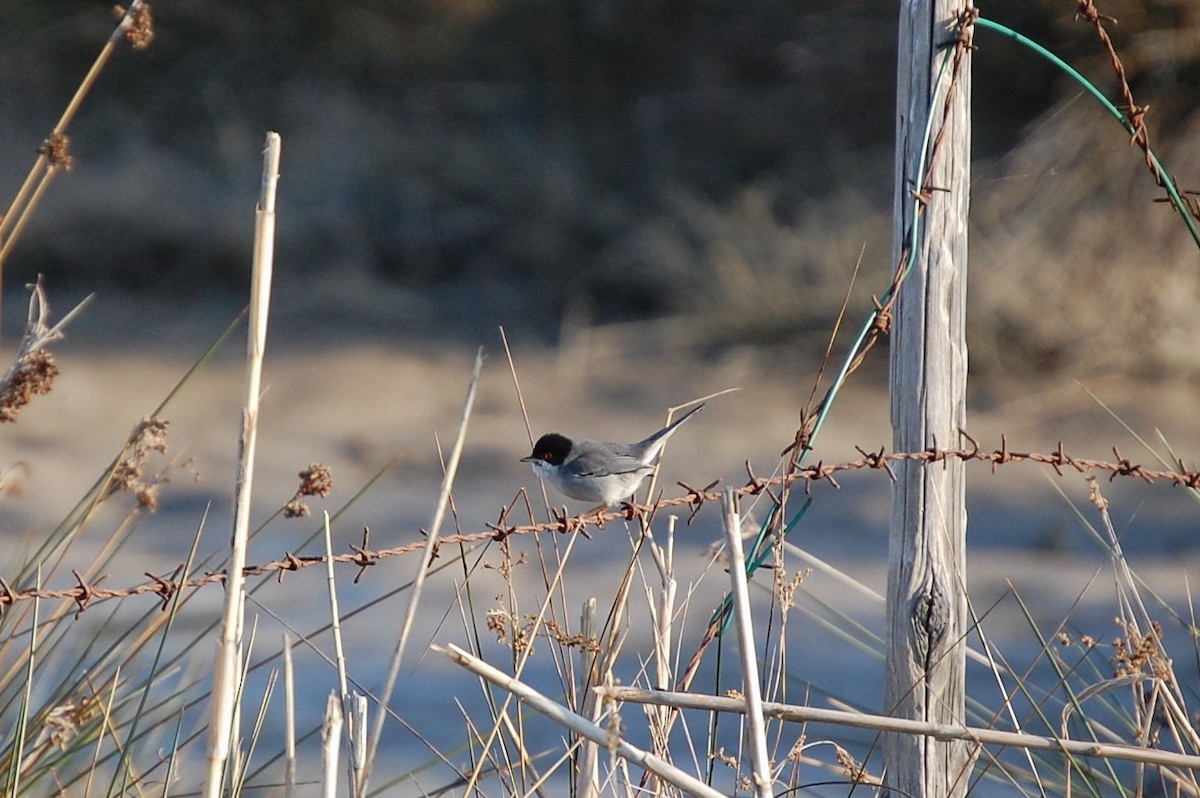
(429, 548)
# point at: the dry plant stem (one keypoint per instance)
(105, 720)
(331, 736)
(664, 609)
(229, 646)
(502, 715)
(14, 774)
(26, 213)
(588, 774)
(800, 714)
(519, 666)
(757, 732)
(577, 723)
(353, 731)
(43, 168)
(431, 541)
(289, 727)
(357, 710)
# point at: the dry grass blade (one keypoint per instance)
(136, 27)
(579, 724)
(757, 732)
(431, 542)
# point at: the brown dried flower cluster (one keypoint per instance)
(33, 374)
(1141, 654)
(856, 772)
(129, 474)
(316, 480)
(508, 630)
(139, 31)
(520, 631)
(57, 151)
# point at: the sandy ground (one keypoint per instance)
(355, 407)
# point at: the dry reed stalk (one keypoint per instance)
(588, 770)
(941, 731)
(418, 584)
(289, 728)
(662, 614)
(331, 737)
(578, 724)
(229, 653)
(136, 27)
(757, 733)
(354, 730)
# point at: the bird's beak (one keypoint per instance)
(528, 459)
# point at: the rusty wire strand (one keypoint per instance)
(1135, 115)
(879, 323)
(86, 594)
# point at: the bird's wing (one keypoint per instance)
(594, 464)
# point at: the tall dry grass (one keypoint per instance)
(581, 687)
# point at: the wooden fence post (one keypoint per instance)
(926, 559)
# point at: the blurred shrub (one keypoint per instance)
(728, 159)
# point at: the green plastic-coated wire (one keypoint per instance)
(1167, 182)
(755, 554)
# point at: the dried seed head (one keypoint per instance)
(129, 475)
(139, 28)
(57, 151)
(33, 374)
(316, 480)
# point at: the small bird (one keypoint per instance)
(593, 471)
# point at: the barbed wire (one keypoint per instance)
(85, 593)
(1135, 115)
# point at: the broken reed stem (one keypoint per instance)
(228, 664)
(354, 733)
(45, 167)
(418, 585)
(578, 724)
(941, 731)
(331, 737)
(289, 728)
(588, 773)
(756, 734)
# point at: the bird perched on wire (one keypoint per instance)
(594, 471)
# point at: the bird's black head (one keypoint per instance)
(551, 447)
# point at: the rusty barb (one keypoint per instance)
(1135, 115)
(85, 594)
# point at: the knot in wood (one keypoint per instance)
(931, 616)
